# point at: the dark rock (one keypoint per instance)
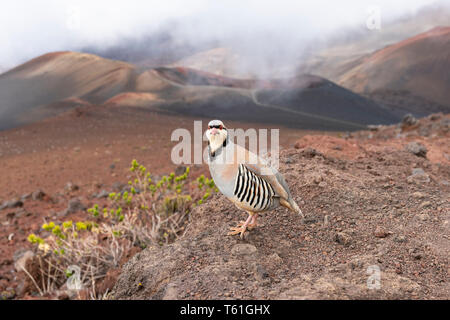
(180, 170)
(435, 116)
(381, 233)
(70, 187)
(243, 249)
(417, 256)
(118, 186)
(10, 215)
(102, 194)
(343, 238)
(408, 120)
(15, 203)
(25, 196)
(261, 272)
(62, 295)
(400, 239)
(74, 206)
(418, 176)
(415, 253)
(445, 124)
(22, 212)
(374, 127)
(417, 149)
(38, 195)
(310, 220)
(310, 153)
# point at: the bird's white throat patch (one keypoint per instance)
(216, 141)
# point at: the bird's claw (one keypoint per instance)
(237, 230)
(249, 227)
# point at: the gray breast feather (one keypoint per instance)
(253, 190)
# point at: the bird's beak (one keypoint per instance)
(214, 131)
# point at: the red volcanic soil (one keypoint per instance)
(419, 65)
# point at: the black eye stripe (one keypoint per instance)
(217, 127)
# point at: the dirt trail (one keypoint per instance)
(350, 125)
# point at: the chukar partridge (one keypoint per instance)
(245, 178)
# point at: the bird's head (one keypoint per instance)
(217, 135)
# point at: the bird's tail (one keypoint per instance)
(292, 205)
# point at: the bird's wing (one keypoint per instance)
(260, 167)
(275, 179)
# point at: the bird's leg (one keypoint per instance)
(241, 228)
(253, 223)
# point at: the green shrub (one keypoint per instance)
(150, 212)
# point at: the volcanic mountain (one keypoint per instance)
(340, 53)
(56, 82)
(419, 65)
(305, 101)
(32, 91)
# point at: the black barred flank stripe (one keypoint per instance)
(238, 182)
(252, 189)
(257, 192)
(264, 193)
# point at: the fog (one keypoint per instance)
(264, 29)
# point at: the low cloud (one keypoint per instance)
(263, 29)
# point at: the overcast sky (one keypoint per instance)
(29, 28)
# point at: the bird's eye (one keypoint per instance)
(209, 127)
(221, 127)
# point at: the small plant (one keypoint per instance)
(154, 211)
(84, 244)
(147, 212)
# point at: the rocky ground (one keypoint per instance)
(375, 201)
(53, 170)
